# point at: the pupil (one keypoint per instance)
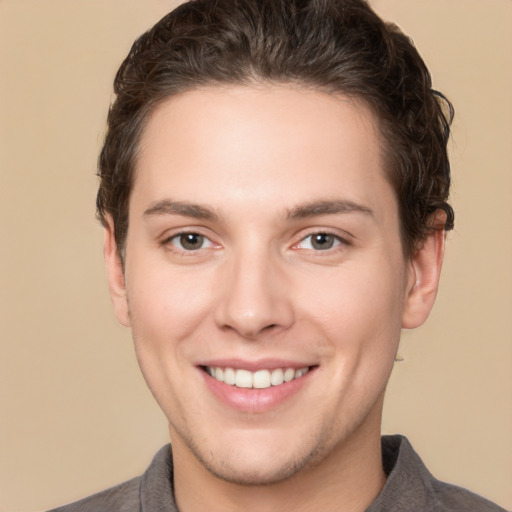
(322, 241)
(191, 241)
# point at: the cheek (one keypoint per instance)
(358, 306)
(164, 306)
(165, 311)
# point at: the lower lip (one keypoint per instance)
(255, 400)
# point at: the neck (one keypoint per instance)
(349, 479)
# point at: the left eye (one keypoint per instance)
(190, 241)
(319, 242)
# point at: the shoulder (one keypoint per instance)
(152, 491)
(121, 498)
(450, 497)
(410, 486)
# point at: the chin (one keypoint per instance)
(257, 461)
(254, 473)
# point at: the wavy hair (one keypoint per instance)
(336, 46)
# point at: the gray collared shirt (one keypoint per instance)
(409, 487)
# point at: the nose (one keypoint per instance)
(255, 296)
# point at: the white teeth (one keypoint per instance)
(260, 379)
(229, 376)
(289, 374)
(243, 379)
(277, 377)
(300, 372)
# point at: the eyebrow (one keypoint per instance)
(317, 208)
(313, 209)
(169, 207)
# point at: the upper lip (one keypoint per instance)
(252, 366)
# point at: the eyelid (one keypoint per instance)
(342, 240)
(206, 242)
(167, 240)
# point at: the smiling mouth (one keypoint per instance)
(259, 379)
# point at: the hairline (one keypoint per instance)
(378, 121)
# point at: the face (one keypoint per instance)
(264, 277)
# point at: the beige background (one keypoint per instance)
(75, 415)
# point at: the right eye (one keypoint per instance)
(189, 242)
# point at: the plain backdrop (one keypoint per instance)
(75, 415)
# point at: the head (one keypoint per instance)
(339, 47)
(273, 187)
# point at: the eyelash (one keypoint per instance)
(337, 241)
(177, 236)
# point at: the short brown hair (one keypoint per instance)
(336, 46)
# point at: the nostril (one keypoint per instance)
(270, 327)
(253, 309)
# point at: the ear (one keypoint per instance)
(115, 274)
(424, 273)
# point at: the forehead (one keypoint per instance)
(274, 145)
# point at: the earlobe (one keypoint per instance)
(425, 270)
(115, 274)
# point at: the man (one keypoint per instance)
(274, 186)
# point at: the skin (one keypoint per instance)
(251, 161)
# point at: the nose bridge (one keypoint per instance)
(254, 293)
